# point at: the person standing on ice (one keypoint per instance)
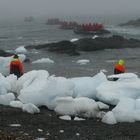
(16, 67)
(119, 68)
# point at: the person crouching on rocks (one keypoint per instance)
(119, 68)
(16, 67)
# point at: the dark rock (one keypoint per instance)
(135, 23)
(5, 54)
(72, 117)
(40, 46)
(99, 43)
(89, 44)
(27, 60)
(63, 47)
(59, 47)
(5, 135)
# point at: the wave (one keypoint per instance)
(124, 30)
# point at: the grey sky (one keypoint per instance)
(17, 8)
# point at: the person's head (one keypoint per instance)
(121, 62)
(15, 56)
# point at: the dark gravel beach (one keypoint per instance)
(47, 125)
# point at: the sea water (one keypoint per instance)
(20, 33)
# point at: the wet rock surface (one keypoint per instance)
(47, 125)
(99, 43)
(59, 47)
(4, 53)
(88, 44)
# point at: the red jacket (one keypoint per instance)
(120, 68)
(16, 67)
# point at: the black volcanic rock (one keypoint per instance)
(63, 47)
(59, 47)
(135, 23)
(5, 54)
(99, 43)
(89, 44)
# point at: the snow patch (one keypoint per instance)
(109, 118)
(30, 108)
(102, 105)
(74, 39)
(83, 61)
(15, 125)
(7, 98)
(95, 36)
(81, 106)
(16, 104)
(43, 60)
(21, 50)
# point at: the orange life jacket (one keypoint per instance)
(16, 67)
(120, 68)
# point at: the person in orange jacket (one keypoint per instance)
(119, 68)
(16, 67)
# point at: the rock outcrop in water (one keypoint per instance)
(59, 47)
(113, 42)
(135, 23)
(5, 54)
(89, 44)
